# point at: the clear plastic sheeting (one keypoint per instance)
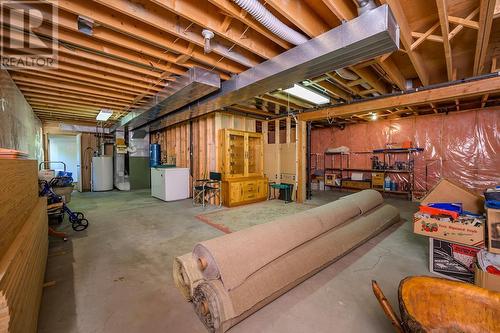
(460, 146)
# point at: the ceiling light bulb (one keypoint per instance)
(207, 35)
(373, 116)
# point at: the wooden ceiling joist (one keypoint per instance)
(74, 94)
(393, 72)
(203, 14)
(71, 41)
(344, 83)
(460, 27)
(67, 104)
(144, 32)
(77, 87)
(128, 69)
(461, 90)
(250, 110)
(486, 11)
(61, 108)
(301, 16)
(468, 23)
(445, 30)
(294, 100)
(102, 68)
(146, 12)
(344, 10)
(280, 101)
(372, 79)
(60, 76)
(136, 46)
(334, 90)
(236, 12)
(105, 79)
(73, 99)
(62, 116)
(43, 110)
(431, 38)
(407, 40)
(424, 36)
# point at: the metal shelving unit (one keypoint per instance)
(389, 161)
(344, 157)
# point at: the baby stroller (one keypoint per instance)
(77, 219)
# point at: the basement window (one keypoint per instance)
(282, 130)
(271, 132)
(258, 126)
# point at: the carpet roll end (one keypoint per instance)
(204, 308)
(202, 264)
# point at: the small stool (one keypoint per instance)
(285, 187)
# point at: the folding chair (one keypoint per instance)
(206, 189)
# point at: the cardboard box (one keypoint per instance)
(493, 220)
(465, 234)
(378, 180)
(362, 185)
(447, 191)
(330, 179)
(486, 280)
(451, 260)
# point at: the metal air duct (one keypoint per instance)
(365, 37)
(191, 86)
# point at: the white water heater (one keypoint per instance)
(102, 173)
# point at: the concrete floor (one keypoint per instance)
(116, 276)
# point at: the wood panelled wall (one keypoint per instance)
(194, 144)
(281, 160)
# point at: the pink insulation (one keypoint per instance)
(460, 146)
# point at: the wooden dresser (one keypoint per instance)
(240, 191)
(242, 164)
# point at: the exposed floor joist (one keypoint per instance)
(461, 90)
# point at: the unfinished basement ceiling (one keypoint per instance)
(135, 47)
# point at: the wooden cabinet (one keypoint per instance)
(241, 191)
(241, 154)
(242, 166)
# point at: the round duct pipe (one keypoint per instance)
(271, 22)
(347, 74)
(350, 76)
(365, 6)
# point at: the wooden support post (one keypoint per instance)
(278, 150)
(217, 126)
(288, 129)
(301, 161)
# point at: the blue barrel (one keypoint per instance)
(154, 155)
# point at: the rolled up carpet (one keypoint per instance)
(233, 257)
(186, 275)
(365, 200)
(220, 308)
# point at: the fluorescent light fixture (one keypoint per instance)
(306, 94)
(104, 114)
